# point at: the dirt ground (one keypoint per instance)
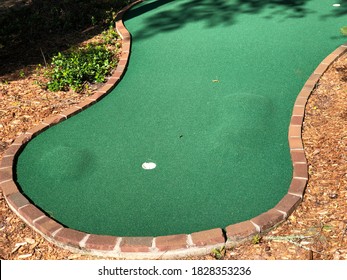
(316, 230)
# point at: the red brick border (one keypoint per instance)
(172, 246)
(264, 222)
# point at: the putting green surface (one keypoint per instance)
(207, 97)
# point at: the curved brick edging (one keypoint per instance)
(164, 247)
(264, 222)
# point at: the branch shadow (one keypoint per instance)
(211, 12)
(338, 11)
(31, 29)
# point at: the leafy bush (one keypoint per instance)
(110, 36)
(75, 68)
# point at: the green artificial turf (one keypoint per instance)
(207, 96)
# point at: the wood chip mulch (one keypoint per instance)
(316, 230)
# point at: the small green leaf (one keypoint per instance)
(327, 227)
(344, 30)
(256, 239)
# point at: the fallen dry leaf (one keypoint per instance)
(24, 256)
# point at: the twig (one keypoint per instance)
(344, 232)
(88, 29)
(304, 247)
(289, 237)
(44, 59)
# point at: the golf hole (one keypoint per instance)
(148, 165)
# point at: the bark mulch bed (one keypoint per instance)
(316, 230)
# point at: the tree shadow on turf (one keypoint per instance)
(216, 12)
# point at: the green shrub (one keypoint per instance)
(76, 68)
(110, 36)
